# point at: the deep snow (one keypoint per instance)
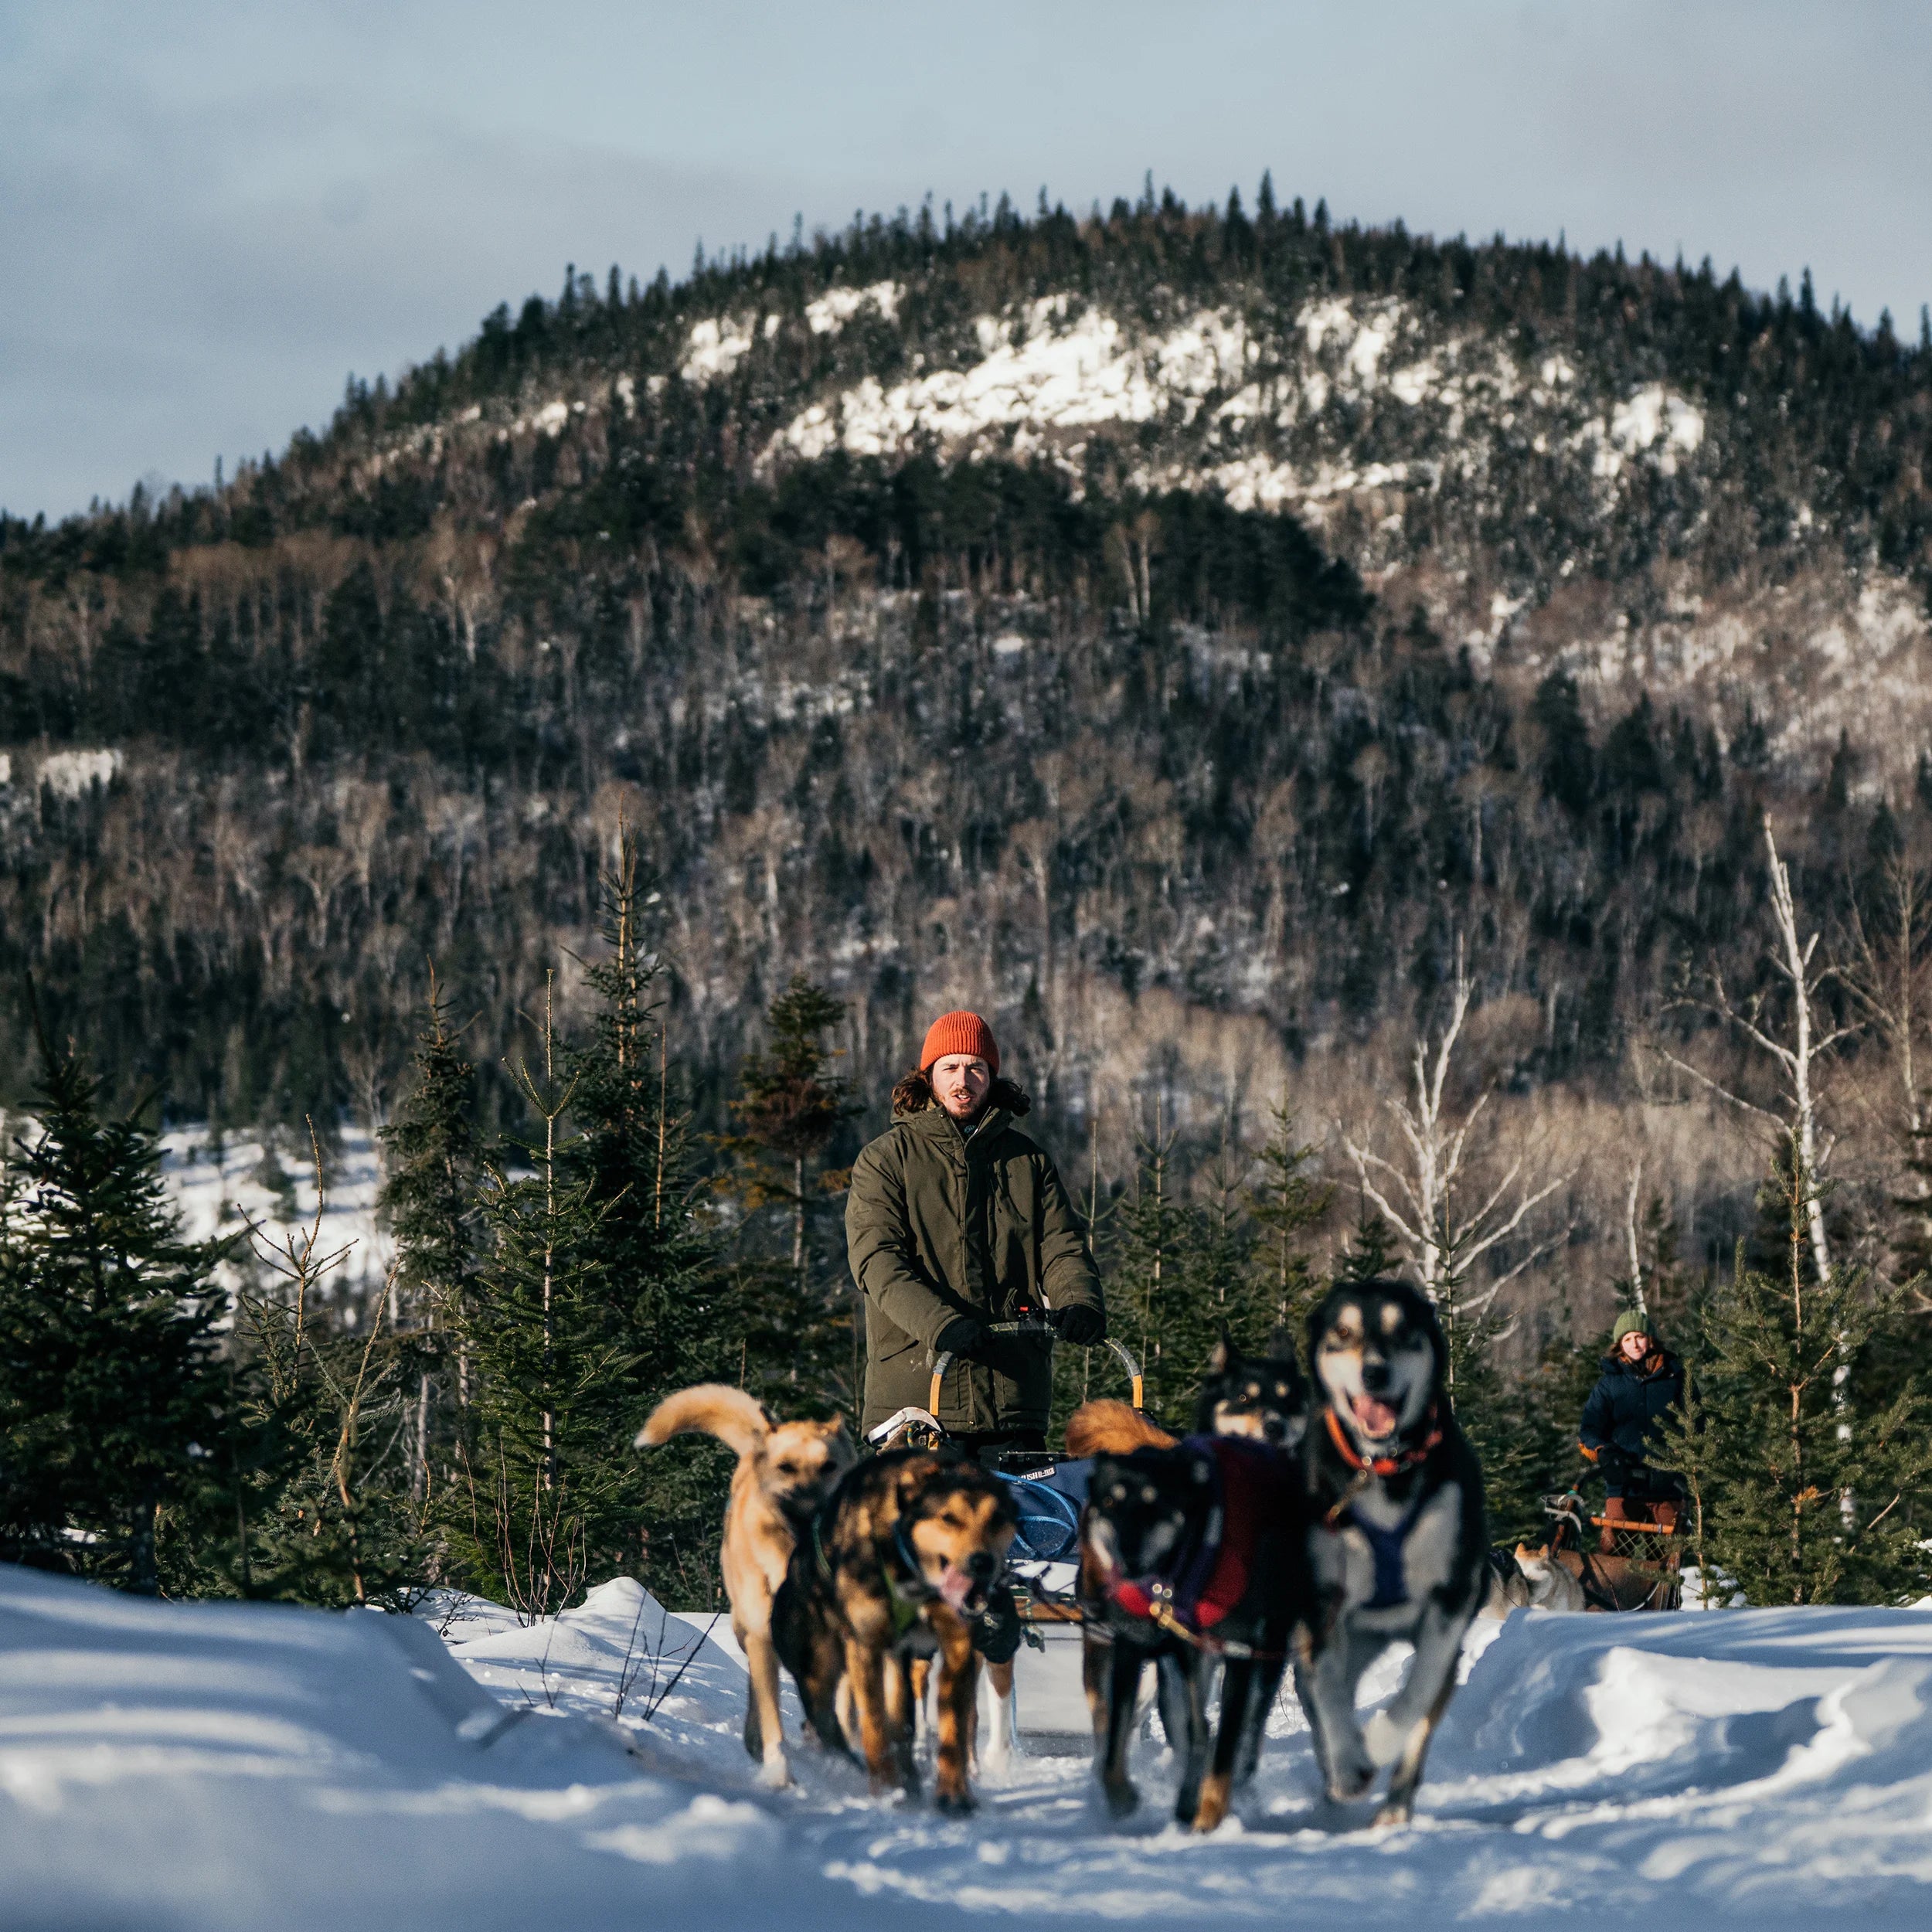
(218, 1766)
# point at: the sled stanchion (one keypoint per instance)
(941, 1363)
(1133, 1368)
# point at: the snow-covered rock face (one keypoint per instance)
(1047, 372)
(717, 346)
(830, 312)
(1266, 420)
(72, 774)
(717, 343)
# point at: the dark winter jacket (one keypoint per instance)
(1627, 1407)
(941, 1223)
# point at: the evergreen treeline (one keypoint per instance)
(1828, 383)
(469, 1426)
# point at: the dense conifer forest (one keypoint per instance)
(1320, 691)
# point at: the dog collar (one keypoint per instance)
(1382, 1465)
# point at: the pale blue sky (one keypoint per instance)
(209, 214)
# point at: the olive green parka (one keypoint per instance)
(942, 1221)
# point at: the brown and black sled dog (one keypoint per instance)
(898, 1565)
(784, 1469)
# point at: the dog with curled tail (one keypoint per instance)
(784, 1471)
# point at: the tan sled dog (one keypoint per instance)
(784, 1469)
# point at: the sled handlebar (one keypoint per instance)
(1048, 1328)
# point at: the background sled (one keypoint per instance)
(1624, 1563)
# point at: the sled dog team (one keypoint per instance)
(1309, 1523)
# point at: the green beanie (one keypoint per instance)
(1631, 1322)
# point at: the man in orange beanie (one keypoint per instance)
(956, 1221)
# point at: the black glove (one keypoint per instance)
(1081, 1325)
(963, 1336)
(996, 1630)
(1613, 1461)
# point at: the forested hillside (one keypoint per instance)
(1182, 634)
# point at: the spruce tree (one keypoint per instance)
(656, 1275)
(431, 1197)
(1224, 1291)
(1155, 1234)
(1081, 1374)
(799, 1344)
(542, 1485)
(1287, 1203)
(1805, 1484)
(114, 1409)
(1370, 1253)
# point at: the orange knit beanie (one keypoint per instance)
(959, 1033)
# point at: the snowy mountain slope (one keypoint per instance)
(1546, 504)
(168, 1765)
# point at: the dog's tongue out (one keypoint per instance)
(955, 1585)
(1377, 1418)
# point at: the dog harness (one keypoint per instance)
(1385, 1545)
(1208, 1574)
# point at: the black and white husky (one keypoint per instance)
(1397, 1544)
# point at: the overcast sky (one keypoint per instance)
(210, 214)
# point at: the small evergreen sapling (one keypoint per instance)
(431, 1198)
(1288, 1204)
(1155, 1231)
(541, 1481)
(655, 1281)
(1370, 1254)
(800, 1329)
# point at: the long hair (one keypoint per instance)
(914, 1093)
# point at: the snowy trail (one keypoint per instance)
(1758, 1768)
(228, 1766)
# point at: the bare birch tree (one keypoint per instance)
(1445, 1222)
(1800, 1059)
(1632, 1246)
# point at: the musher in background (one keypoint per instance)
(956, 1220)
(1640, 1382)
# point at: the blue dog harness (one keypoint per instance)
(1385, 1546)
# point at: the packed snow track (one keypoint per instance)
(215, 1766)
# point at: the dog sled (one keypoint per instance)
(1623, 1562)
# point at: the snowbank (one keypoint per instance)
(219, 1765)
(216, 1765)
